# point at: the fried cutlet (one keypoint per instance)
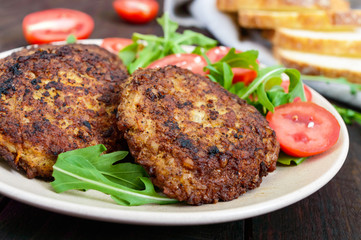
(198, 142)
(55, 99)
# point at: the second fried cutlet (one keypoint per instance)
(55, 99)
(198, 142)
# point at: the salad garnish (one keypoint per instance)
(88, 168)
(147, 48)
(285, 159)
(71, 38)
(348, 115)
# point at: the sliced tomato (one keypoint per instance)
(217, 53)
(285, 85)
(239, 74)
(136, 11)
(243, 75)
(56, 25)
(190, 61)
(114, 45)
(303, 128)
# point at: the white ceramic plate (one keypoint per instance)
(279, 189)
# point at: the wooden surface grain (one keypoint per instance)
(333, 212)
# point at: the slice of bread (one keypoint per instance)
(227, 5)
(320, 20)
(317, 64)
(288, 5)
(347, 44)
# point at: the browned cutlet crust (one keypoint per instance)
(55, 99)
(198, 142)
(90, 48)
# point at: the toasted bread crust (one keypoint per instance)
(227, 5)
(289, 5)
(326, 20)
(284, 38)
(352, 17)
(313, 69)
(275, 19)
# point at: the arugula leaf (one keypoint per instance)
(278, 96)
(288, 160)
(348, 115)
(88, 168)
(71, 38)
(169, 27)
(269, 92)
(190, 37)
(148, 48)
(148, 54)
(265, 92)
(147, 37)
(265, 89)
(247, 59)
(128, 53)
(127, 174)
(199, 50)
(296, 87)
(263, 76)
(221, 71)
(236, 87)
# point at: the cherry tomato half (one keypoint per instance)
(239, 74)
(190, 61)
(56, 25)
(286, 83)
(303, 128)
(114, 45)
(136, 11)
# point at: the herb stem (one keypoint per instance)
(148, 37)
(259, 80)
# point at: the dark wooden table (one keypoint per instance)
(333, 212)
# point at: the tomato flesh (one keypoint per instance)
(239, 74)
(217, 53)
(303, 128)
(190, 61)
(114, 45)
(285, 85)
(136, 11)
(56, 25)
(243, 75)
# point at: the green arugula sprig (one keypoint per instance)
(269, 93)
(221, 71)
(71, 38)
(288, 160)
(147, 48)
(354, 87)
(348, 115)
(87, 168)
(265, 91)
